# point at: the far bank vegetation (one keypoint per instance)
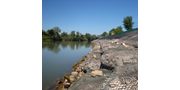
(56, 34)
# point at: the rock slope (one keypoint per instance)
(112, 64)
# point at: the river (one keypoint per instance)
(58, 59)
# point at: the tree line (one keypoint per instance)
(56, 34)
(128, 25)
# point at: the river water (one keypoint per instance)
(58, 59)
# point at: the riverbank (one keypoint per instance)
(112, 64)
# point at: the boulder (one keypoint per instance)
(74, 73)
(78, 69)
(71, 78)
(115, 60)
(94, 64)
(96, 47)
(60, 87)
(96, 73)
(94, 56)
(80, 74)
(125, 45)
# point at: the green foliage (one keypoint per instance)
(64, 36)
(128, 23)
(104, 34)
(55, 34)
(116, 31)
(93, 37)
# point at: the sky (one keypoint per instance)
(87, 16)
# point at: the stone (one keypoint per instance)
(94, 56)
(77, 77)
(96, 73)
(74, 73)
(124, 45)
(94, 64)
(80, 74)
(114, 60)
(96, 47)
(86, 70)
(60, 87)
(78, 69)
(71, 78)
(66, 85)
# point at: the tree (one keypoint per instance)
(78, 36)
(111, 32)
(88, 36)
(54, 33)
(45, 36)
(73, 35)
(93, 37)
(83, 38)
(64, 36)
(57, 29)
(128, 23)
(44, 32)
(104, 34)
(116, 31)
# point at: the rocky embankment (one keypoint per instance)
(112, 64)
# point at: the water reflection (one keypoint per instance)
(58, 59)
(57, 46)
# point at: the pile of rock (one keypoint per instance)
(111, 65)
(96, 73)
